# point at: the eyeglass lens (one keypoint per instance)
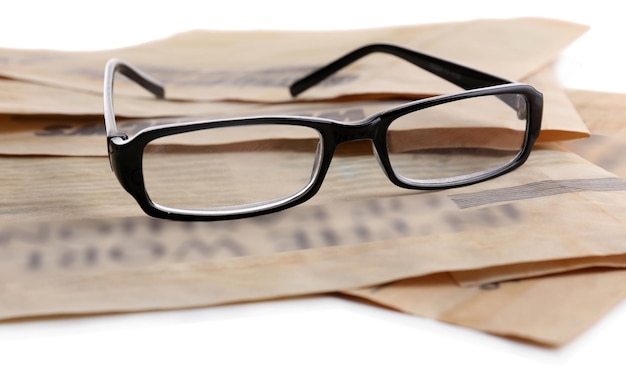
(457, 139)
(254, 165)
(232, 166)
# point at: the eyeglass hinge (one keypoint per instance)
(121, 135)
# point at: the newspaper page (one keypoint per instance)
(549, 311)
(24, 134)
(260, 65)
(82, 245)
(517, 300)
(605, 115)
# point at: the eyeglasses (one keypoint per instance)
(239, 167)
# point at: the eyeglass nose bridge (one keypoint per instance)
(374, 130)
(368, 129)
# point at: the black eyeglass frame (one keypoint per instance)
(125, 153)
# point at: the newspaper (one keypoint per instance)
(259, 66)
(496, 274)
(605, 115)
(51, 134)
(549, 311)
(516, 300)
(74, 242)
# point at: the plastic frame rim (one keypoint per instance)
(125, 154)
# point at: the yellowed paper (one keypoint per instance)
(604, 112)
(501, 273)
(24, 98)
(546, 310)
(85, 136)
(259, 66)
(358, 231)
(606, 116)
(550, 310)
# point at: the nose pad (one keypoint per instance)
(319, 153)
(382, 165)
(377, 156)
(522, 108)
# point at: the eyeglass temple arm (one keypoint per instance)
(114, 66)
(460, 75)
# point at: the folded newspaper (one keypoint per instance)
(82, 246)
(259, 65)
(73, 242)
(66, 135)
(520, 300)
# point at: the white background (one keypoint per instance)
(310, 337)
